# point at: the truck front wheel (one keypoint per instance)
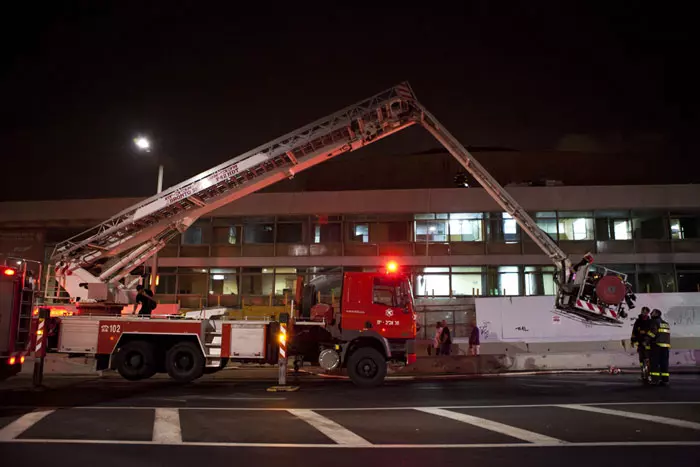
(366, 367)
(136, 360)
(184, 362)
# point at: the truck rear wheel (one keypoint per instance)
(184, 362)
(366, 367)
(136, 360)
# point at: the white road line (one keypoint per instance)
(371, 446)
(508, 430)
(335, 409)
(637, 416)
(166, 427)
(22, 424)
(328, 427)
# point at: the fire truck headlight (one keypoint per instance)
(12, 360)
(21, 359)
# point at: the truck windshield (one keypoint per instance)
(391, 291)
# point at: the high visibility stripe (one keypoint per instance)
(665, 374)
(653, 373)
(665, 330)
(651, 334)
(664, 345)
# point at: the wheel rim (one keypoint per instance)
(367, 368)
(134, 360)
(183, 361)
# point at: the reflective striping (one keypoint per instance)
(507, 430)
(328, 427)
(636, 416)
(166, 426)
(22, 424)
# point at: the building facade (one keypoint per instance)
(456, 242)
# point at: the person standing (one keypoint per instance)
(639, 333)
(437, 338)
(659, 338)
(445, 339)
(474, 341)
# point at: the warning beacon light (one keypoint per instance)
(391, 266)
(9, 272)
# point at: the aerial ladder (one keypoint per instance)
(96, 264)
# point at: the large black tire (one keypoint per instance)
(184, 362)
(136, 360)
(366, 367)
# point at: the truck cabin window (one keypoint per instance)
(388, 291)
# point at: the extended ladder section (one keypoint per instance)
(101, 257)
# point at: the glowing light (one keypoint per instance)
(391, 266)
(9, 272)
(142, 143)
(21, 359)
(12, 360)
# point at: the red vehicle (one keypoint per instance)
(376, 323)
(16, 300)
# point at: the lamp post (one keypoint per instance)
(143, 144)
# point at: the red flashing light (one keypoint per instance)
(12, 361)
(9, 272)
(391, 266)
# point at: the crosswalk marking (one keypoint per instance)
(328, 427)
(508, 430)
(22, 424)
(166, 426)
(637, 416)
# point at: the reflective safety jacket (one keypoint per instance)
(659, 333)
(639, 331)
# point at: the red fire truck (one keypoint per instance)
(16, 301)
(375, 322)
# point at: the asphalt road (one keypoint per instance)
(535, 420)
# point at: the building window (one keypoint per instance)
(683, 228)
(360, 232)
(539, 280)
(382, 232)
(290, 232)
(688, 277)
(259, 233)
(327, 233)
(192, 236)
(656, 278)
(466, 227)
(467, 280)
(431, 231)
(576, 226)
(502, 228)
(547, 221)
(649, 225)
(433, 282)
(508, 280)
(223, 282)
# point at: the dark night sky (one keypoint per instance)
(77, 83)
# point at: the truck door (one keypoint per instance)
(391, 317)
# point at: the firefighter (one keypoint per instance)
(659, 338)
(639, 333)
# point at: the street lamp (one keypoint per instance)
(143, 144)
